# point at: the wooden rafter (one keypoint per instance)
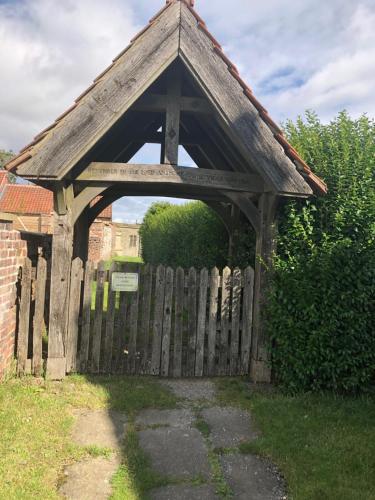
(172, 119)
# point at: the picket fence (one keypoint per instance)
(179, 323)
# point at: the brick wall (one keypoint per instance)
(100, 241)
(13, 250)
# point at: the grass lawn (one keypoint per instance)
(324, 445)
(35, 424)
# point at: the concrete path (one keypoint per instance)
(199, 444)
(194, 447)
(91, 478)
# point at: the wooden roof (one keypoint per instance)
(175, 33)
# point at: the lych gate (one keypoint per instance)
(173, 86)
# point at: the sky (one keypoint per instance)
(294, 54)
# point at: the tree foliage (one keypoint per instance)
(5, 156)
(321, 313)
(183, 235)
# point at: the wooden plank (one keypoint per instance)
(167, 322)
(99, 110)
(172, 118)
(145, 317)
(247, 207)
(185, 328)
(73, 317)
(212, 324)
(121, 335)
(247, 319)
(157, 103)
(239, 116)
(201, 323)
(158, 320)
(62, 249)
(120, 340)
(225, 313)
(98, 318)
(192, 321)
(235, 327)
(265, 247)
(107, 172)
(178, 325)
(38, 322)
(24, 318)
(86, 316)
(110, 322)
(133, 359)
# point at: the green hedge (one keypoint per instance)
(183, 235)
(321, 314)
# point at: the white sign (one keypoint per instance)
(124, 282)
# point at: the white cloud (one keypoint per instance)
(50, 51)
(295, 54)
(301, 54)
(132, 209)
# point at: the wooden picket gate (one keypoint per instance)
(178, 324)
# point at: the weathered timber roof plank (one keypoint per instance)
(108, 100)
(240, 115)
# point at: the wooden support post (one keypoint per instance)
(62, 251)
(233, 232)
(81, 237)
(260, 370)
(172, 120)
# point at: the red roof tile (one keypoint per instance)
(30, 199)
(3, 177)
(26, 200)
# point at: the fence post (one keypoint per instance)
(73, 315)
(167, 322)
(247, 320)
(158, 320)
(201, 323)
(40, 297)
(24, 321)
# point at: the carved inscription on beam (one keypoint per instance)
(170, 174)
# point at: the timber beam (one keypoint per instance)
(157, 103)
(100, 173)
(158, 137)
(171, 129)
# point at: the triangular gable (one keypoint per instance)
(58, 148)
(176, 31)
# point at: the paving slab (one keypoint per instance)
(99, 428)
(252, 478)
(90, 479)
(173, 418)
(229, 426)
(184, 492)
(176, 453)
(191, 389)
